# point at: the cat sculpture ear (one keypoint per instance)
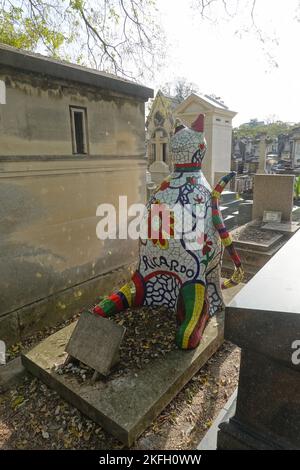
(178, 126)
(198, 124)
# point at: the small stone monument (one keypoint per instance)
(271, 225)
(95, 342)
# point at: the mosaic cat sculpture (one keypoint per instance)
(182, 272)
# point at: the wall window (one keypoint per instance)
(164, 152)
(79, 130)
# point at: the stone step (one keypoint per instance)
(233, 206)
(230, 222)
(228, 196)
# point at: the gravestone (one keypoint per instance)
(273, 193)
(124, 405)
(95, 341)
(264, 320)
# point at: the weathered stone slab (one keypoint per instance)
(288, 227)
(259, 245)
(95, 341)
(124, 406)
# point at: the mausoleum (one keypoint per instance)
(71, 139)
(218, 132)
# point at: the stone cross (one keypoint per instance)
(262, 154)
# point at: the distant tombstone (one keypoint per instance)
(2, 92)
(295, 138)
(262, 148)
(95, 342)
(273, 193)
(159, 168)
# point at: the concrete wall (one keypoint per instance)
(50, 257)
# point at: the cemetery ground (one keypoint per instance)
(32, 416)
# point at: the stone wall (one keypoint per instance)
(51, 262)
(36, 118)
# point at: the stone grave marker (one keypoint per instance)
(273, 193)
(95, 341)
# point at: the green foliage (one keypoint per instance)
(272, 130)
(19, 30)
(297, 187)
(111, 35)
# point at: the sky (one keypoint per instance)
(224, 55)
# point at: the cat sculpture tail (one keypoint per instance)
(218, 222)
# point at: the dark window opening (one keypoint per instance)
(79, 130)
(164, 152)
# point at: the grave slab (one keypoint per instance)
(95, 342)
(288, 227)
(263, 320)
(124, 406)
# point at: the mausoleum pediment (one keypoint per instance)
(202, 104)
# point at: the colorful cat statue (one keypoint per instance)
(180, 255)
